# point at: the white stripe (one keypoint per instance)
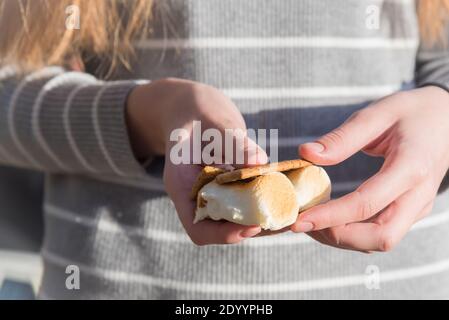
(239, 288)
(68, 130)
(35, 123)
(162, 235)
(47, 72)
(141, 82)
(279, 42)
(97, 130)
(283, 239)
(66, 78)
(311, 92)
(176, 237)
(114, 227)
(432, 220)
(405, 2)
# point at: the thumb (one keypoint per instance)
(249, 153)
(255, 154)
(338, 145)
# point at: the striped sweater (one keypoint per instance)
(299, 66)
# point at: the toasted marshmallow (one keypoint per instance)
(312, 186)
(268, 200)
(272, 201)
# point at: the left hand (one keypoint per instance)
(411, 131)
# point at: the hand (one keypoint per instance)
(411, 131)
(154, 111)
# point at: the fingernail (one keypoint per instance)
(315, 147)
(249, 233)
(304, 227)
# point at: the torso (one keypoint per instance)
(298, 66)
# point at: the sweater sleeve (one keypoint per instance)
(65, 122)
(432, 67)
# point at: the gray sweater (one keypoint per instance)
(300, 66)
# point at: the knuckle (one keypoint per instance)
(419, 173)
(229, 239)
(364, 208)
(198, 241)
(326, 221)
(366, 115)
(362, 115)
(335, 137)
(387, 241)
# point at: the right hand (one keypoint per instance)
(154, 111)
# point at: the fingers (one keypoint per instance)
(398, 175)
(319, 236)
(233, 147)
(178, 182)
(265, 233)
(385, 231)
(209, 232)
(322, 238)
(248, 153)
(425, 212)
(359, 130)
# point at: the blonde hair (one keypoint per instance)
(33, 32)
(433, 17)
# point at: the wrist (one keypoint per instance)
(435, 84)
(440, 94)
(155, 109)
(143, 121)
(435, 92)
